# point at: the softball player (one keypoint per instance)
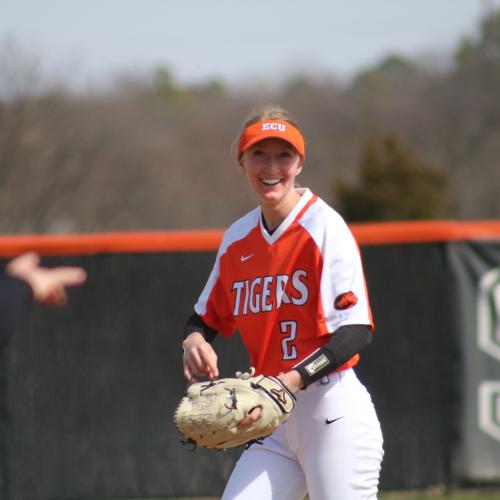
(288, 276)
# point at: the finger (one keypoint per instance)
(189, 377)
(23, 263)
(68, 276)
(193, 357)
(204, 362)
(187, 373)
(252, 417)
(255, 413)
(190, 370)
(187, 363)
(31, 258)
(209, 360)
(55, 298)
(244, 424)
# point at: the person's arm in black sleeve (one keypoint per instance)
(342, 345)
(15, 297)
(199, 357)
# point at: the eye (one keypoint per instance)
(259, 153)
(285, 154)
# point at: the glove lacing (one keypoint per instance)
(246, 375)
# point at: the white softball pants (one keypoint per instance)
(339, 460)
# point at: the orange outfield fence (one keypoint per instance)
(101, 378)
(382, 233)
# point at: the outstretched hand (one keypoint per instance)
(48, 284)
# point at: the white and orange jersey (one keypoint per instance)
(286, 292)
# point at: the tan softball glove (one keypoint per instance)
(209, 412)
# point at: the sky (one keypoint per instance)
(233, 40)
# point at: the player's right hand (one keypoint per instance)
(49, 285)
(199, 358)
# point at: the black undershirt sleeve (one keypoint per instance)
(196, 324)
(15, 297)
(342, 345)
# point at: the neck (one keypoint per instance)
(274, 215)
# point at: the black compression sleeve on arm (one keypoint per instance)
(196, 324)
(342, 345)
(15, 296)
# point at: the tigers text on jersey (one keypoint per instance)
(286, 292)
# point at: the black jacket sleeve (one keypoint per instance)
(15, 297)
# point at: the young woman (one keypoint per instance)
(288, 277)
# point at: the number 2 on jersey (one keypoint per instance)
(290, 329)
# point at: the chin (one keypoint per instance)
(270, 200)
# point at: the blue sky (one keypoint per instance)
(234, 40)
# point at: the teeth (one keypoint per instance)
(271, 182)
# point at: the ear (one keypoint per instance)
(299, 168)
(241, 166)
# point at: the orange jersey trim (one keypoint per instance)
(366, 234)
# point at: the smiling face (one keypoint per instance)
(271, 166)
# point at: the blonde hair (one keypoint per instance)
(270, 112)
(261, 113)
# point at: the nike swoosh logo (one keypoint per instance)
(243, 258)
(328, 422)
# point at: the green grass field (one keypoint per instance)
(454, 495)
(480, 494)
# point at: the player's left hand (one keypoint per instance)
(229, 412)
(292, 380)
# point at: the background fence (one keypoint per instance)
(87, 393)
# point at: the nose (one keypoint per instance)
(272, 162)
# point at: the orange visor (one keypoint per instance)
(267, 129)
